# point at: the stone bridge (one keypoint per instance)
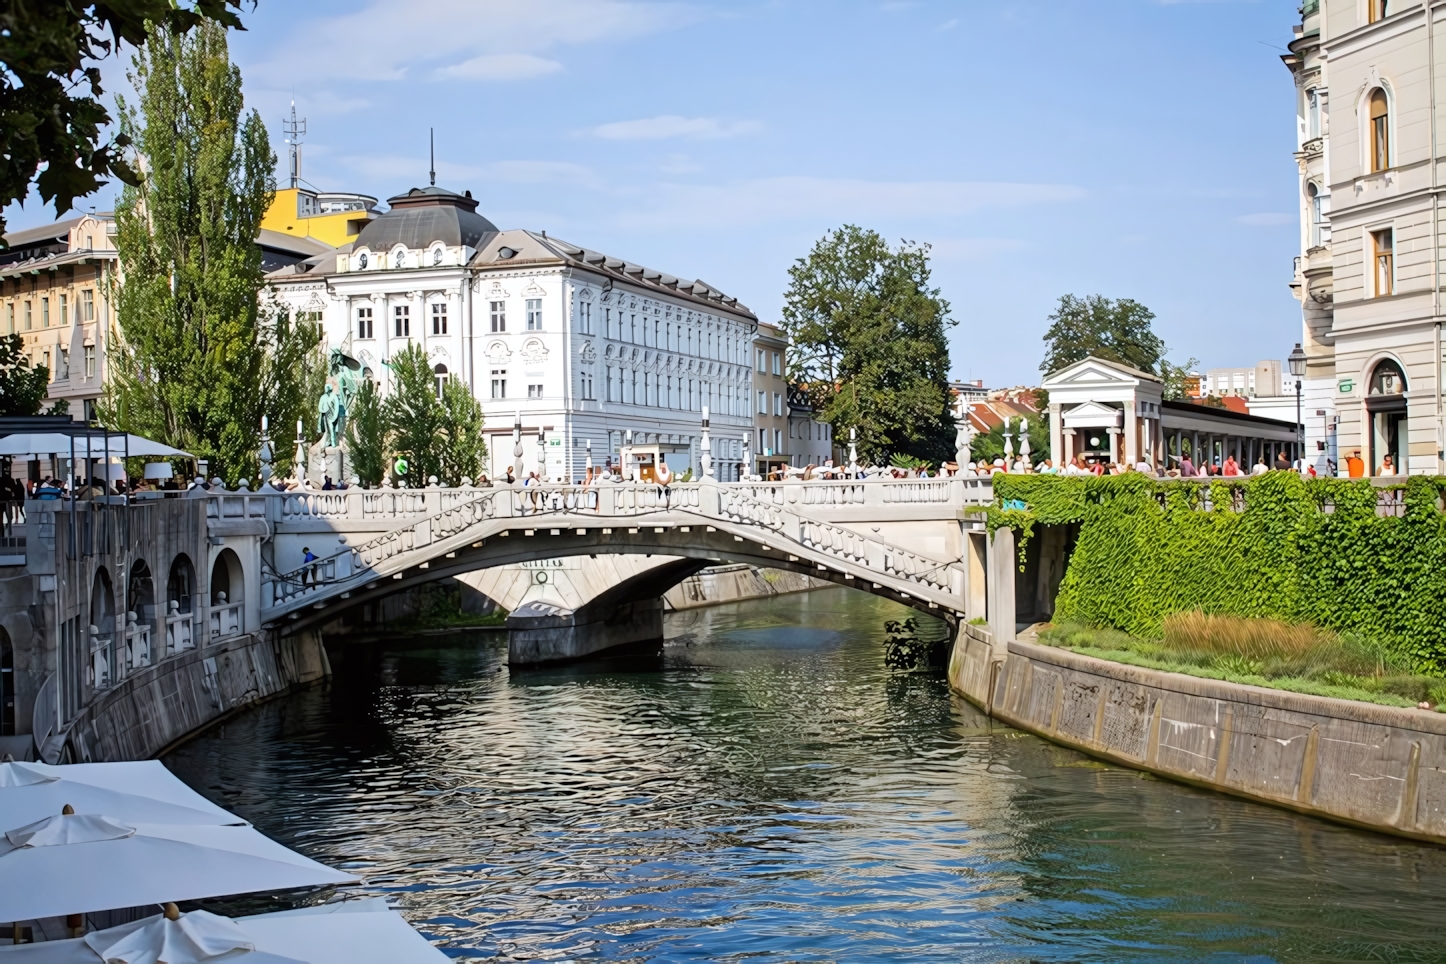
(908, 540)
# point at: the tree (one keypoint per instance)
(22, 388)
(439, 436)
(50, 110)
(1116, 331)
(869, 346)
(366, 435)
(463, 449)
(988, 446)
(1175, 378)
(412, 414)
(200, 360)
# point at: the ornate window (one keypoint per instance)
(499, 383)
(402, 321)
(499, 315)
(439, 318)
(1380, 130)
(364, 323)
(439, 374)
(534, 314)
(1383, 261)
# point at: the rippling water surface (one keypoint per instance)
(769, 789)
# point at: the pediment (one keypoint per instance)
(1092, 415)
(1094, 372)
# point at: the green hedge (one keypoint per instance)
(1273, 545)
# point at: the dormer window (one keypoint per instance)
(399, 258)
(361, 261)
(438, 253)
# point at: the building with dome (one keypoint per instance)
(585, 347)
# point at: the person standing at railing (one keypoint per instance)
(663, 476)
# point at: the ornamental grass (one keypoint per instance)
(1262, 652)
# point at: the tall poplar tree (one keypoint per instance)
(868, 343)
(200, 359)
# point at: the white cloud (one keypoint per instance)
(388, 41)
(669, 126)
(676, 164)
(1266, 219)
(949, 25)
(768, 200)
(500, 67)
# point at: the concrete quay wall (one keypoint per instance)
(724, 584)
(1378, 767)
(163, 704)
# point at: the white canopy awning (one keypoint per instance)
(86, 446)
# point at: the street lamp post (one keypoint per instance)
(1296, 361)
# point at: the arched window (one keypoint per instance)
(1380, 131)
(1387, 379)
(1320, 232)
(440, 375)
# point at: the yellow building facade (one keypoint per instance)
(333, 218)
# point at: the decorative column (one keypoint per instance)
(1056, 434)
(705, 449)
(1114, 433)
(1132, 435)
(541, 454)
(853, 453)
(517, 448)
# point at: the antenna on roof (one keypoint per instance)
(432, 140)
(293, 129)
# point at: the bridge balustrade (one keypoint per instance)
(180, 635)
(138, 643)
(226, 618)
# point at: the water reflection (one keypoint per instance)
(766, 787)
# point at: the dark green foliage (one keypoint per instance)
(1113, 330)
(988, 446)
(22, 388)
(868, 342)
(1312, 551)
(51, 115)
(439, 437)
(366, 435)
(201, 361)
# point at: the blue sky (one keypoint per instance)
(1124, 147)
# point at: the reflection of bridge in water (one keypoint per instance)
(904, 539)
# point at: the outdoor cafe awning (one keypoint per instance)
(86, 446)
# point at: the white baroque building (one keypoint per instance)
(1370, 89)
(585, 347)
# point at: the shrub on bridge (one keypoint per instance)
(1275, 545)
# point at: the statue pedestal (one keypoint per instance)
(324, 460)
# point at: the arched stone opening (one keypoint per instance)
(140, 627)
(7, 685)
(1386, 408)
(180, 629)
(228, 592)
(102, 631)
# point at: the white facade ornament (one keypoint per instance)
(498, 354)
(496, 292)
(534, 352)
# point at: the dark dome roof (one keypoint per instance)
(424, 215)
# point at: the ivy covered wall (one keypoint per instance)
(1276, 545)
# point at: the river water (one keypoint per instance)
(769, 789)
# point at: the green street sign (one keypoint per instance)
(1347, 386)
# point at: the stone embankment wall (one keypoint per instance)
(1377, 767)
(723, 584)
(177, 698)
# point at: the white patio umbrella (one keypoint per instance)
(143, 792)
(86, 446)
(81, 863)
(349, 932)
